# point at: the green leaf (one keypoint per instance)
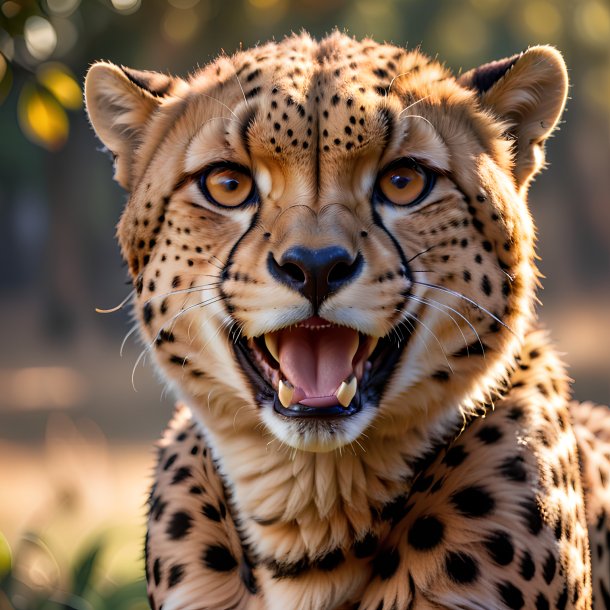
(84, 569)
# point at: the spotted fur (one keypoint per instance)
(473, 482)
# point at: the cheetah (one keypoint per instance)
(334, 270)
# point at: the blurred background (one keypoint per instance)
(75, 437)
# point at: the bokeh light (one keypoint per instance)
(592, 23)
(126, 6)
(40, 37)
(180, 25)
(56, 78)
(42, 118)
(62, 8)
(542, 18)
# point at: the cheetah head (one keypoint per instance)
(329, 241)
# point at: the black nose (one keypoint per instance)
(316, 274)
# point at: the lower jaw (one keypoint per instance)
(330, 412)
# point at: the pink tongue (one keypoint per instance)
(316, 361)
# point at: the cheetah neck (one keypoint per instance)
(293, 503)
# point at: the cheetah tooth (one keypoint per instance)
(347, 390)
(271, 344)
(285, 393)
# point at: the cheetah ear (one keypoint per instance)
(120, 102)
(529, 92)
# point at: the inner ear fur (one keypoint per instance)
(120, 102)
(528, 92)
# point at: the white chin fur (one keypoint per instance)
(316, 436)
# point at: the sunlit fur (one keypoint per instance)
(315, 122)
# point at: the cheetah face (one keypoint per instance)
(338, 245)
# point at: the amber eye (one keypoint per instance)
(404, 182)
(228, 185)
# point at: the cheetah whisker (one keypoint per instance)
(435, 338)
(124, 342)
(433, 304)
(117, 307)
(456, 312)
(421, 99)
(468, 300)
(420, 253)
(172, 293)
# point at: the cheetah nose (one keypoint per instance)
(316, 274)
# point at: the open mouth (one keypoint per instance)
(318, 369)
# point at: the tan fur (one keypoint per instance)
(315, 122)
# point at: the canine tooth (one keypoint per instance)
(285, 393)
(271, 344)
(347, 391)
(373, 345)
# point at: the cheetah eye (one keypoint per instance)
(228, 185)
(404, 182)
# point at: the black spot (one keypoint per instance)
(461, 567)
(330, 561)
(533, 518)
(181, 474)
(500, 548)
(176, 281)
(513, 468)
(157, 571)
(562, 600)
(147, 313)
(542, 603)
(247, 576)
(253, 93)
(179, 360)
(425, 533)
(441, 375)
(527, 568)
(179, 525)
(487, 246)
(170, 460)
(474, 349)
(422, 483)
(511, 596)
(334, 99)
(196, 490)
(549, 568)
(157, 508)
(165, 336)
(486, 285)
(218, 557)
(455, 456)
(489, 434)
(515, 413)
(367, 546)
(386, 563)
(473, 501)
(176, 574)
(288, 569)
(395, 510)
(210, 512)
